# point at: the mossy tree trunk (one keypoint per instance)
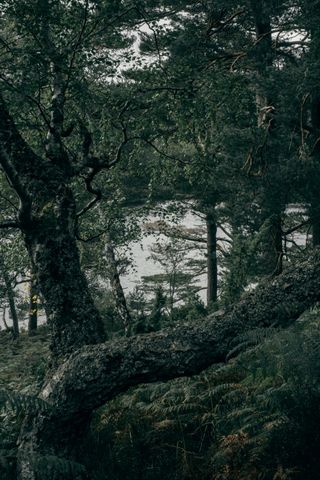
(47, 219)
(73, 319)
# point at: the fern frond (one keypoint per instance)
(240, 414)
(182, 408)
(50, 466)
(249, 340)
(19, 402)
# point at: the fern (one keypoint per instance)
(52, 467)
(240, 414)
(232, 421)
(249, 340)
(183, 408)
(20, 403)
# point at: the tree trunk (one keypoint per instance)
(271, 192)
(313, 188)
(116, 287)
(315, 222)
(47, 219)
(278, 244)
(11, 300)
(6, 326)
(72, 317)
(212, 264)
(273, 250)
(96, 374)
(12, 307)
(33, 307)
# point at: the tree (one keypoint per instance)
(239, 37)
(43, 182)
(14, 266)
(114, 278)
(307, 92)
(9, 292)
(33, 306)
(180, 270)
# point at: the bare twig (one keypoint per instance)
(20, 282)
(95, 191)
(8, 200)
(296, 227)
(90, 239)
(212, 31)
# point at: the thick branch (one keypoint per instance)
(92, 238)
(95, 374)
(14, 149)
(12, 175)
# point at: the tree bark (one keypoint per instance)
(274, 246)
(116, 287)
(212, 264)
(96, 374)
(33, 307)
(11, 300)
(315, 222)
(271, 191)
(72, 317)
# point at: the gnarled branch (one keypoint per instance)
(186, 349)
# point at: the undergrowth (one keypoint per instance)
(23, 365)
(254, 418)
